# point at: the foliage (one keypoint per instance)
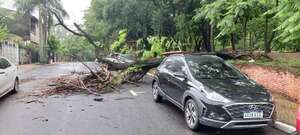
(3, 31)
(191, 25)
(3, 27)
(158, 46)
(30, 47)
(75, 48)
(120, 44)
(289, 28)
(54, 43)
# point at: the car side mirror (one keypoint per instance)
(180, 75)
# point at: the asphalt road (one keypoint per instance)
(130, 111)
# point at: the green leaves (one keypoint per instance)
(158, 46)
(54, 43)
(75, 47)
(120, 44)
(3, 31)
(289, 15)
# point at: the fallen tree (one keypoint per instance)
(125, 72)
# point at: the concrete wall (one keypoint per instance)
(10, 50)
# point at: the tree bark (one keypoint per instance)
(251, 41)
(267, 47)
(206, 44)
(245, 34)
(212, 44)
(43, 34)
(232, 42)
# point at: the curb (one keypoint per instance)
(284, 127)
(277, 125)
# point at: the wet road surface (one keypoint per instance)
(130, 111)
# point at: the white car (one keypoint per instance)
(9, 80)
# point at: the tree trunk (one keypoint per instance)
(43, 32)
(245, 34)
(232, 42)
(212, 43)
(206, 44)
(266, 43)
(250, 42)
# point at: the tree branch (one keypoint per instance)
(81, 32)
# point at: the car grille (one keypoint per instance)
(237, 111)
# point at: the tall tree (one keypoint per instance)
(46, 9)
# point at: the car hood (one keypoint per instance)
(237, 90)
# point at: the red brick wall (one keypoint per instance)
(276, 81)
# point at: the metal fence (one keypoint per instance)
(10, 50)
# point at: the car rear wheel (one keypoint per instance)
(16, 86)
(155, 93)
(191, 112)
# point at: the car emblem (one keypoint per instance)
(253, 107)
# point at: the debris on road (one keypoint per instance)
(34, 101)
(92, 84)
(98, 99)
(125, 98)
(97, 80)
(41, 117)
(45, 120)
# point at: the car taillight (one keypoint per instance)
(298, 121)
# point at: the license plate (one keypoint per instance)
(253, 115)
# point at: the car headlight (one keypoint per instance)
(217, 97)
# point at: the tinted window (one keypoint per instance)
(174, 64)
(210, 68)
(4, 63)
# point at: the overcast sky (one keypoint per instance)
(75, 8)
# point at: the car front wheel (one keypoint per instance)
(155, 93)
(192, 114)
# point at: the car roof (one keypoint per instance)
(203, 56)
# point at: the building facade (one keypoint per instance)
(23, 31)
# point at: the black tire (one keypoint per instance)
(155, 93)
(191, 113)
(16, 86)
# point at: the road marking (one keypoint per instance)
(140, 92)
(133, 93)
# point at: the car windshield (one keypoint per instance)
(212, 69)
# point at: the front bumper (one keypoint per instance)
(234, 118)
(236, 124)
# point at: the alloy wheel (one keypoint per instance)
(155, 90)
(155, 93)
(191, 114)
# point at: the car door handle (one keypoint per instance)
(1, 73)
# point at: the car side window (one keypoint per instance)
(4, 64)
(175, 65)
